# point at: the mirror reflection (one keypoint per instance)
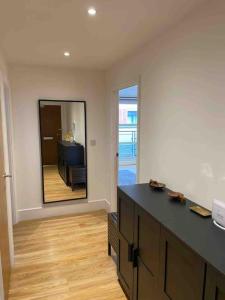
(63, 150)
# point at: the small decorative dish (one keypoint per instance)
(203, 212)
(156, 185)
(177, 196)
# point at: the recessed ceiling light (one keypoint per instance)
(66, 53)
(92, 11)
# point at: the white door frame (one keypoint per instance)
(9, 149)
(6, 128)
(114, 140)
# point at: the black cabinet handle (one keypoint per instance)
(135, 257)
(130, 252)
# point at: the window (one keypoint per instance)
(132, 117)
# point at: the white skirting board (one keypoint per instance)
(61, 208)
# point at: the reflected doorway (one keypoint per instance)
(127, 135)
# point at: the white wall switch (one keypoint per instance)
(93, 142)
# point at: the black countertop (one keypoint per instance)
(197, 232)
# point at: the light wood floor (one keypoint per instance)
(64, 258)
(55, 188)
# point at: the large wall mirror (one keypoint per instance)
(63, 150)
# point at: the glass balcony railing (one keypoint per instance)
(127, 143)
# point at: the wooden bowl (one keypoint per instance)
(177, 196)
(156, 185)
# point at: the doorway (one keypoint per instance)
(127, 135)
(51, 132)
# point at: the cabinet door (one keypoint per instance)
(215, 285)
(182, 271)
(147, 241)
(125, 266)
(126, 240)
(126, 217)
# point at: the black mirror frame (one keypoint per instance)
(41, 158)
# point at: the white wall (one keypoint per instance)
(182, 126)
(76, 113)
(30, 84)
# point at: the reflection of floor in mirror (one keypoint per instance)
(56, 189)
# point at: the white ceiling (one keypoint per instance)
(39, 31)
